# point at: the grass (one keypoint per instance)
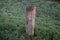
(12, 20)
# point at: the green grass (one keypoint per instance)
(12, 20)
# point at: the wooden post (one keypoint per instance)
(30, 19)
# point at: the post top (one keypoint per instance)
(30, 8)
